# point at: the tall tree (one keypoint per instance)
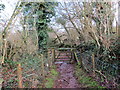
(119, 19)
(43, 12)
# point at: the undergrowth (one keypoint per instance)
(49, 81)
(85, 80)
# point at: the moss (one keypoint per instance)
(49, 83)
(54, 72)
(51, 78)
(87, 81)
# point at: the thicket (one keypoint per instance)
(90, 30)
(26, 47)
(95, 33)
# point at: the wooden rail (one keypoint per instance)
(62, 54)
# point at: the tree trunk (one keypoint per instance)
(118, 19)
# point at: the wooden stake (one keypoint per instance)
(53, 55)
(50, 57)
(93, 63)
(42, 57)
(49, 61)
(81, 59)
(19, 73)
(77, 58)
(4, 51)
(72, 56)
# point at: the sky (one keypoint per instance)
(10, 5)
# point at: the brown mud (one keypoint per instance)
(66, 77)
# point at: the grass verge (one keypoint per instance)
(49, 81)
(85, 80)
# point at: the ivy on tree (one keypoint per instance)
(43, 12)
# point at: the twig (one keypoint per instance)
(102, 75)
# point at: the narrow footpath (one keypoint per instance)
(66, 77)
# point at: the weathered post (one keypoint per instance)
(19, 74)
(72, 58)
(118, 20)
(49, 61)
(81, 59)
(77, 58)
(4, 50)
(50, 57)
(72, 55)
(42, 58)
(53, 55)
(93, 63)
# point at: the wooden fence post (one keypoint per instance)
(53, 55)
(72, 54)
(4, 50)
(50, 57)
(49, 61)
(77, 58)
(19, 74)
(81, 59)
(93, 63)
(42, 58)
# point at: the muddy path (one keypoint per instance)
(66, 77)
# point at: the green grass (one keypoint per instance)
(86, 80)
(51, 78)
(49, 83)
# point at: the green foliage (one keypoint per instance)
(30, 62)
(40, 14)
(31, 69)
(49, 83)
(51, 78)
(43, 38)
(115, 48)
(89, 46)
(85, 79)
(10, 63)
(54, 72)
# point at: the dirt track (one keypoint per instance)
(66, 78)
